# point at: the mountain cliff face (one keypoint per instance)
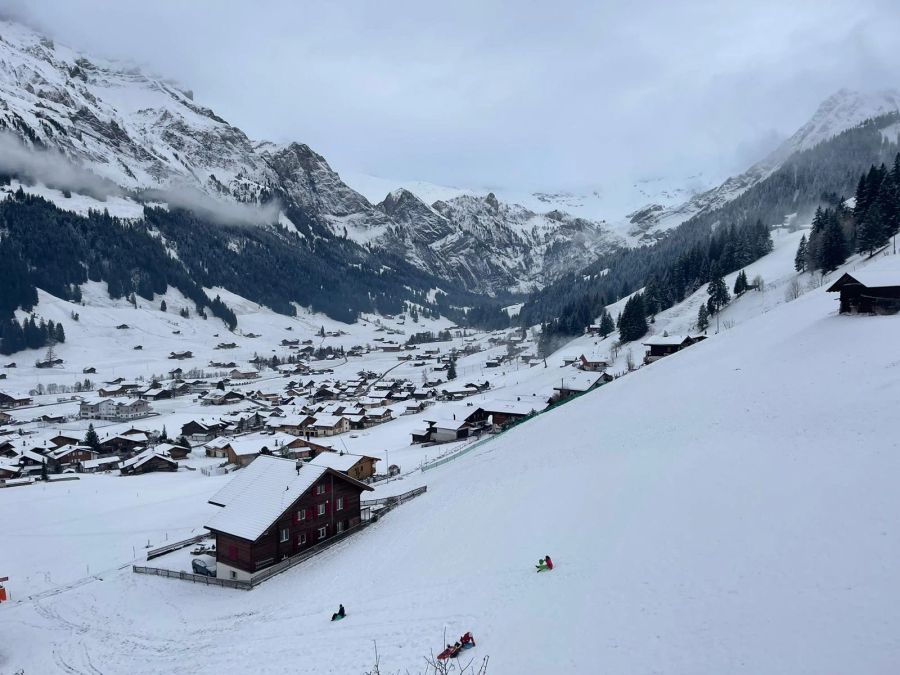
(147, 137)
(486, 244)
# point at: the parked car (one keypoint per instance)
(200, 567)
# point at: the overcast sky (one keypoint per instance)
(517, 95)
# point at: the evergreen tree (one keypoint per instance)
(800, 258)
(162, 306)
(833, 250)
(607, 325)
(718, 293)
(60, 333)
(91, 439)
(740, 283)
(451, 371)
(703, 318)
(633, 322)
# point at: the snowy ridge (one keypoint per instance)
(843, 110)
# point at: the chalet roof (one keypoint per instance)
(453, 425)
(666, 340)
(579, 382)
(103, 461)
(513, 407)
(259, 494)
(327, 421)
(33, 456)
(336, 461)
(869, 279)
(144, 457)
(64, 450)
(166, 448)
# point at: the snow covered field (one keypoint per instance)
(731, 508)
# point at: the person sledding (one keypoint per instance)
(338, 615)
(467, 641)
(545, 564)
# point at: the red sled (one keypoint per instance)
(449, 653)
(453, 652)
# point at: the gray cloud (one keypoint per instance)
(54, 170)
(519, 95)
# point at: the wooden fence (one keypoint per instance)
(168, 548)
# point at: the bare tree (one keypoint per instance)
(793, 290)
(759, 283)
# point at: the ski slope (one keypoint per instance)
(730, 509)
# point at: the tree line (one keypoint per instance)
(838, 230)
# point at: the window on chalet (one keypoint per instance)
(320, 489)
(301, 538)
(301, 514)
(323, 532)
(322, 509)
(340, 526)
(340, 504)
(285, 534)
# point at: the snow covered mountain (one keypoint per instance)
(488, 245)
(843, 110)
(148, 137)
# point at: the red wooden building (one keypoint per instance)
(276, 508)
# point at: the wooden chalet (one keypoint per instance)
(501, 414)
(123, 444)
(865, 292)
(147, 461)
(173, 450)
(5, 418)
(201, 432)
(99, 464)
(360, 467)
(238, 374)
(592, 363)
(71, 455)
(580, 383)
(62, 439)
(8, 400)
(277, 508)
(328, 425)
(665, 345)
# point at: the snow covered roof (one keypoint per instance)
(259, 494)
(513, 407)
(94, 463)
(335, 460)
(450, 424)
(579, 382)
(666, 340)
(327, 421)
(143, 458)
(871, 278)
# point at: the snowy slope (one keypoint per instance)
(729, 509)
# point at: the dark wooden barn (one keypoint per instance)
(868, 292)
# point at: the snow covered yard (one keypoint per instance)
(732, 508)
